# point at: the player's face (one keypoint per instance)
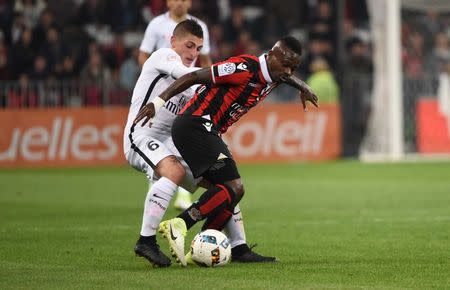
(282, 62)
(179, 7)
(188, 47)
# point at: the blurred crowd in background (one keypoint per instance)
(84, 52)
(96, 42)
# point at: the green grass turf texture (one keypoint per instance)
(332, 225)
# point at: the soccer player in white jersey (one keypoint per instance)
(159, 31)
(157, 35)
(151, 149)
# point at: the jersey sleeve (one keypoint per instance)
(167, 61)
(148, 43)
(234, 70)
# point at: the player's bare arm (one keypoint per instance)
(202, 76)
(306, 93)
(143, 56)
(205, 60)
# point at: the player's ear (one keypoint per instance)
(172, 41)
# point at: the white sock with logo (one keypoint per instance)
(235, 228)
(156, 203)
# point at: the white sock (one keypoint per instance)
(156, 203)
(235, 228)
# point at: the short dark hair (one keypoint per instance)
(292, 43)
(188, 26)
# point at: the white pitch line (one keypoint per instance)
(366, 221)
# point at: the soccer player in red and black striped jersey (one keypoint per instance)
(230, 89)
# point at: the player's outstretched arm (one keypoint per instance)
(306, 93)
(147, 112)
(202, 76)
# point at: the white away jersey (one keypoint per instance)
(160, 29)
(160, 70)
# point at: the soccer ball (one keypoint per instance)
(211, 248)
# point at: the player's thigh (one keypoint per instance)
(171, 168)
(222, 171)
(146, 153)
(198, 143)
(189, 182)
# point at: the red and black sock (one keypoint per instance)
(210, 204)
(218, 221)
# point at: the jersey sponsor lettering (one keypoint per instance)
(171, 107)
(237, 111)
(175, 107)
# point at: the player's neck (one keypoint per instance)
(176, 18)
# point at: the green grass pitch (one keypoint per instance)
(332, 225)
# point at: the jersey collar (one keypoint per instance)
(264, 68)
(167, 15)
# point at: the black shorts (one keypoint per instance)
(200, 145)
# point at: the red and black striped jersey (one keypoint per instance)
(239, 83)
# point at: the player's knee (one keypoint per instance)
(172, 169)
(238, 188)
(177, 173)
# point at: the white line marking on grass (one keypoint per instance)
(76, 228)
(366, 221)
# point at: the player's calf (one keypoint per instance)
(211, 203)
(218, 221)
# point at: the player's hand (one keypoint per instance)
(307, 95)
(147, 112)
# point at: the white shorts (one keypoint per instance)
(149, 151)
